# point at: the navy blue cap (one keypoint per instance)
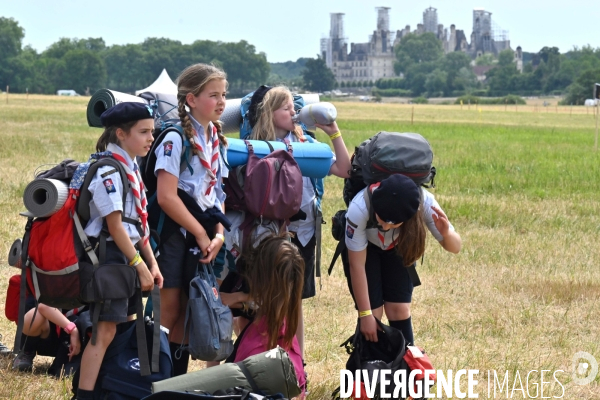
(126, 112)
(396, 199)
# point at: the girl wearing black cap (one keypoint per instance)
(271, 112)
(385, 234)
(127, 135)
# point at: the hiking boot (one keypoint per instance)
(24, 362)
(4, 351)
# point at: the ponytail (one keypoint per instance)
(411, 239)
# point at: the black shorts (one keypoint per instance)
(171, 261)
(388, 279)
(308, 254)
(116, 310)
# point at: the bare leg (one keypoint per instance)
(94, 354)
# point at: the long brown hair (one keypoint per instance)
(192, 80)
(110, 135)
(274, 271)
(264, 129)
(411, 239)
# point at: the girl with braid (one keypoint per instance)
(190, 194)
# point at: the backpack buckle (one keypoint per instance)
(87, 246)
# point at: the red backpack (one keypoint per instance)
(56, 256)
(267, 189)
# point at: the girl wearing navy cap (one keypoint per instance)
(201, 96)
(385, 236)
(127, 134)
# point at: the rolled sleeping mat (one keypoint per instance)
(104, 99)
(232, 117)
(272, 371)
(314, 159)
(14, 254)
(44, 197)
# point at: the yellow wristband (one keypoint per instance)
(220, 236)
(364, 313)
(335, 135)
(135, 260)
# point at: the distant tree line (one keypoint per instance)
(424, 70)
(86, 65)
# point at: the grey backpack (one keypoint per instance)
(390, 153)
(208, 323)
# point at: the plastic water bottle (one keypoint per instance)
(321, 113)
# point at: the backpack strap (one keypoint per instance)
(23, 293)
(341, 246)
(368, 195)
(248, 377)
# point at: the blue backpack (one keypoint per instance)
(119, 377)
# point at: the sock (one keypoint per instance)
(405, 326)
(30, 343)
(85, 394)
(180, 366)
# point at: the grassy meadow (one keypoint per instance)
(521, 186)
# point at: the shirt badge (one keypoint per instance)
(109, 185)
(349, 231)
(168, 148)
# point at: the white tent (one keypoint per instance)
(163, 84)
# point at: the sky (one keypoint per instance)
(289, 30)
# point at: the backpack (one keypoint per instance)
(208, 323)
(318, 184)
(119, 377)
(390, 353)
(268, 188)
(58, 258)
(375, 159)
(389, 153)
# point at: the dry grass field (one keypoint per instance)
(520, 185)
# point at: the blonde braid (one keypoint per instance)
(186, 124)
(222, 138)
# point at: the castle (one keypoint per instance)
(367, 62)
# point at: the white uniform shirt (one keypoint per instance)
(168, 158)
(107, 196)
(357, 236)
(305, 229)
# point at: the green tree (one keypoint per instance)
(11, 37)
(414, 49)
(451, 64)
(435, 82)
(501, 78)
(84, 70)
(317, 77)
(583, 87)
(485, 59)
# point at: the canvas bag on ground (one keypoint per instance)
(208, 323)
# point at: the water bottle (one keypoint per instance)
(321, 113)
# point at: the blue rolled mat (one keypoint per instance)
(314, 159)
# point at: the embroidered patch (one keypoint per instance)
(215, 293)
(235, 251)
(109, 185)
(168, 148)
(349, 231)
